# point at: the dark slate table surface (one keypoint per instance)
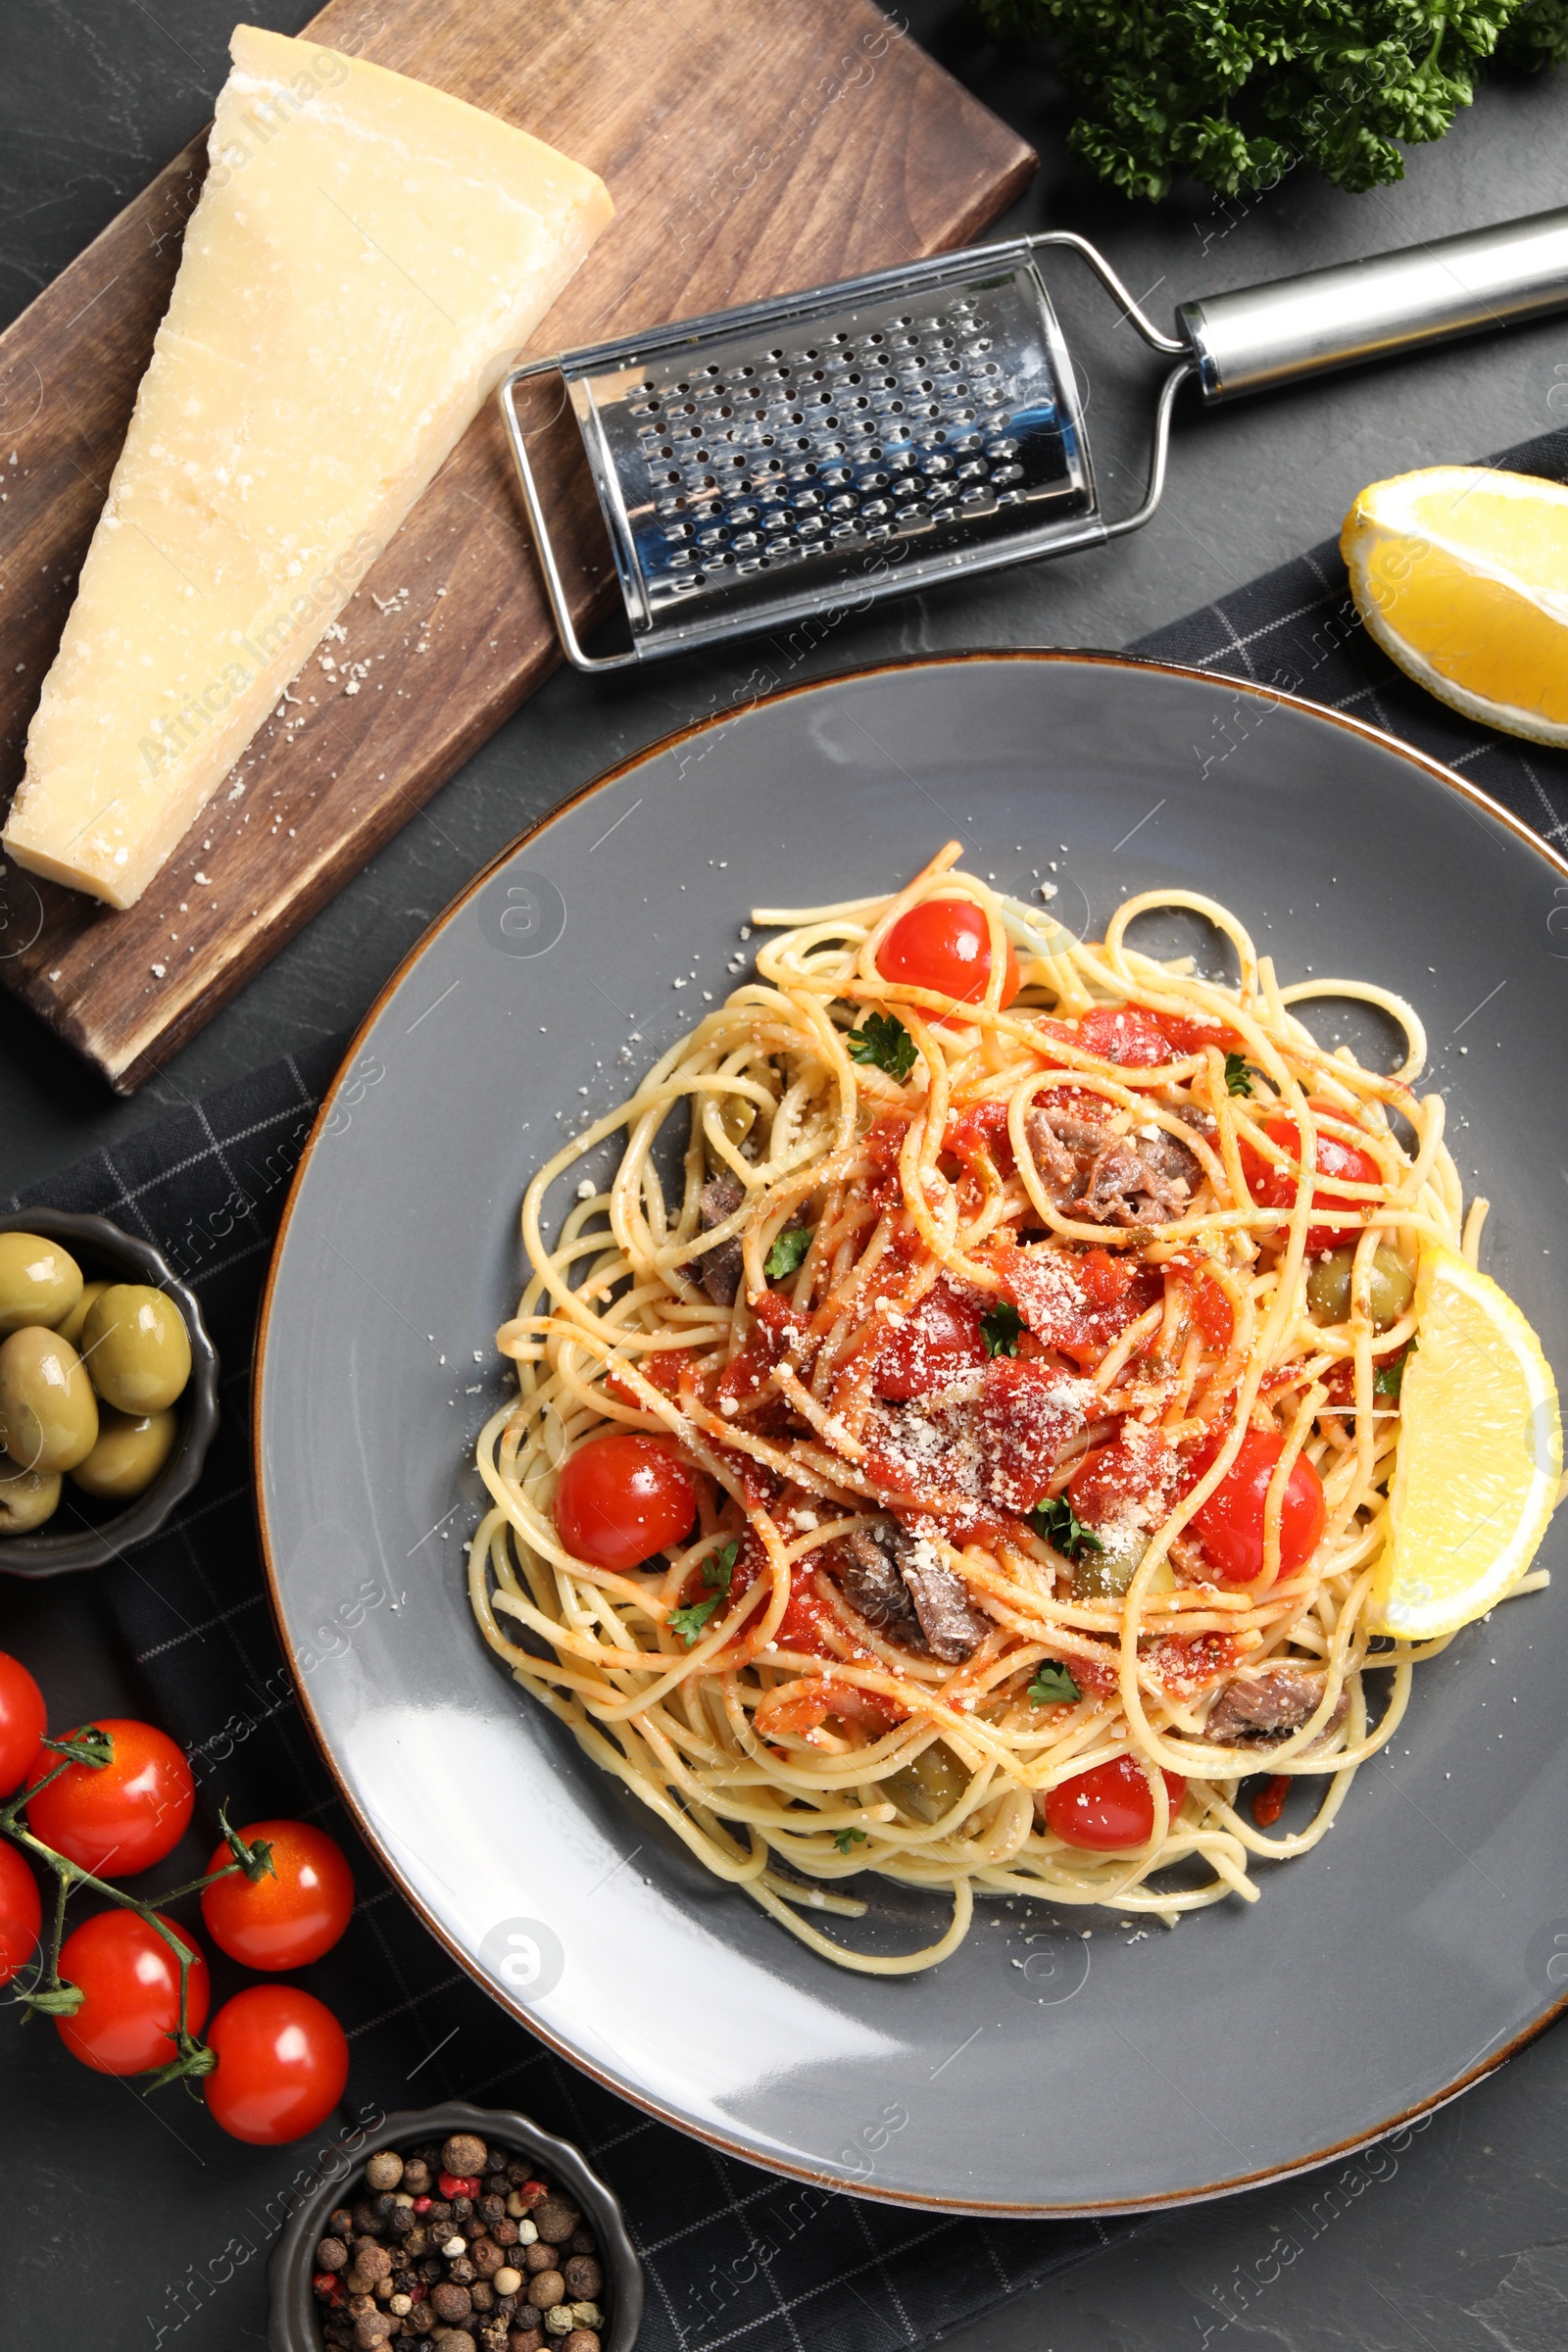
(1453, 2239)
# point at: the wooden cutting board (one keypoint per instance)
(752, 147)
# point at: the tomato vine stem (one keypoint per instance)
(50, 1994)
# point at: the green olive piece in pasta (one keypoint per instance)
(130, 1452)
(69, 1326)
(39, 1281)
(931, 1786)
(27, 1498)
(1105, 1568)
(136, 1348)
(1389, 1291)
(48, 1413)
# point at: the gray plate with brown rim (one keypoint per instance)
(1036, 2070)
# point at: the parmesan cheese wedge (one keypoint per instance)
(366, 257)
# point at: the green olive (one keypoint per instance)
(1106, 1575)
(737, 1117)
(69, 1326)
(136, 1348)
(39, 1281)
(27, 1498)
(48, 1413)
(931, 1786)
(1389, 1291)
(128, 1454)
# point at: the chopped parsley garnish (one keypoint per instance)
(788, 1252)
(719, 1566)
(844, 1838)
(1001, 1329)
(1239, 1074)
(1053, 1686)
(718, 1570)
(1065, 1534)
(690, 1621)
(883, 1040)
(1388, 1379)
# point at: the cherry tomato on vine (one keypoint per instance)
(23, 1720)
(621, 1499)
(290, 1917)
(1274, 1186)
(20, 1913)
(120, 1817)
(1109, 1806)
(945, 945)
(1230, 1524)
(283, 2062)
(131, 1981)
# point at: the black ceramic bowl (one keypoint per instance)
(292, 2323)
(83, 1533)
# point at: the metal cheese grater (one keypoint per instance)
(867, 439)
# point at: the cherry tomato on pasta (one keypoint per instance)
(1138, 1466)
(1109, 1806)
(1082, 1318)
(1124, 1034)
(980, 1135)
(775, 1327)
(807, 1617)
(1190, 1033)
(289, 1917)
(663, 1369)
(1108, 1278)
(120, 1817)
(20, 1913)
(1276, 1187)
(1230, 1524)
(934, 1343)
(1213, 1313)
(945, 945)
(621, 1499)
(130, 1980)
(283, 2062)
(1135, 1038)
(23, 1720)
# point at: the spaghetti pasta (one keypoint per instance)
(1034, 1396)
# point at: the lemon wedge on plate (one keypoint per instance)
(1479, 1456)
(1461, 575)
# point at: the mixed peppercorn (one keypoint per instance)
(465, 2245)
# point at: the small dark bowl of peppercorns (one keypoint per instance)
(462, 2228)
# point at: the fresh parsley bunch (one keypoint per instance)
(1234, 93)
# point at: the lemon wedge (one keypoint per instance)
(1479, 1456)
(1461, 576)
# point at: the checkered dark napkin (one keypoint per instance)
(1295, 628)
(735, 2257)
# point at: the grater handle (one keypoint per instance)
(1180, 351)
(1260, 336)
(1176, 347)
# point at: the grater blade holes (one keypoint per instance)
(789, 455)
